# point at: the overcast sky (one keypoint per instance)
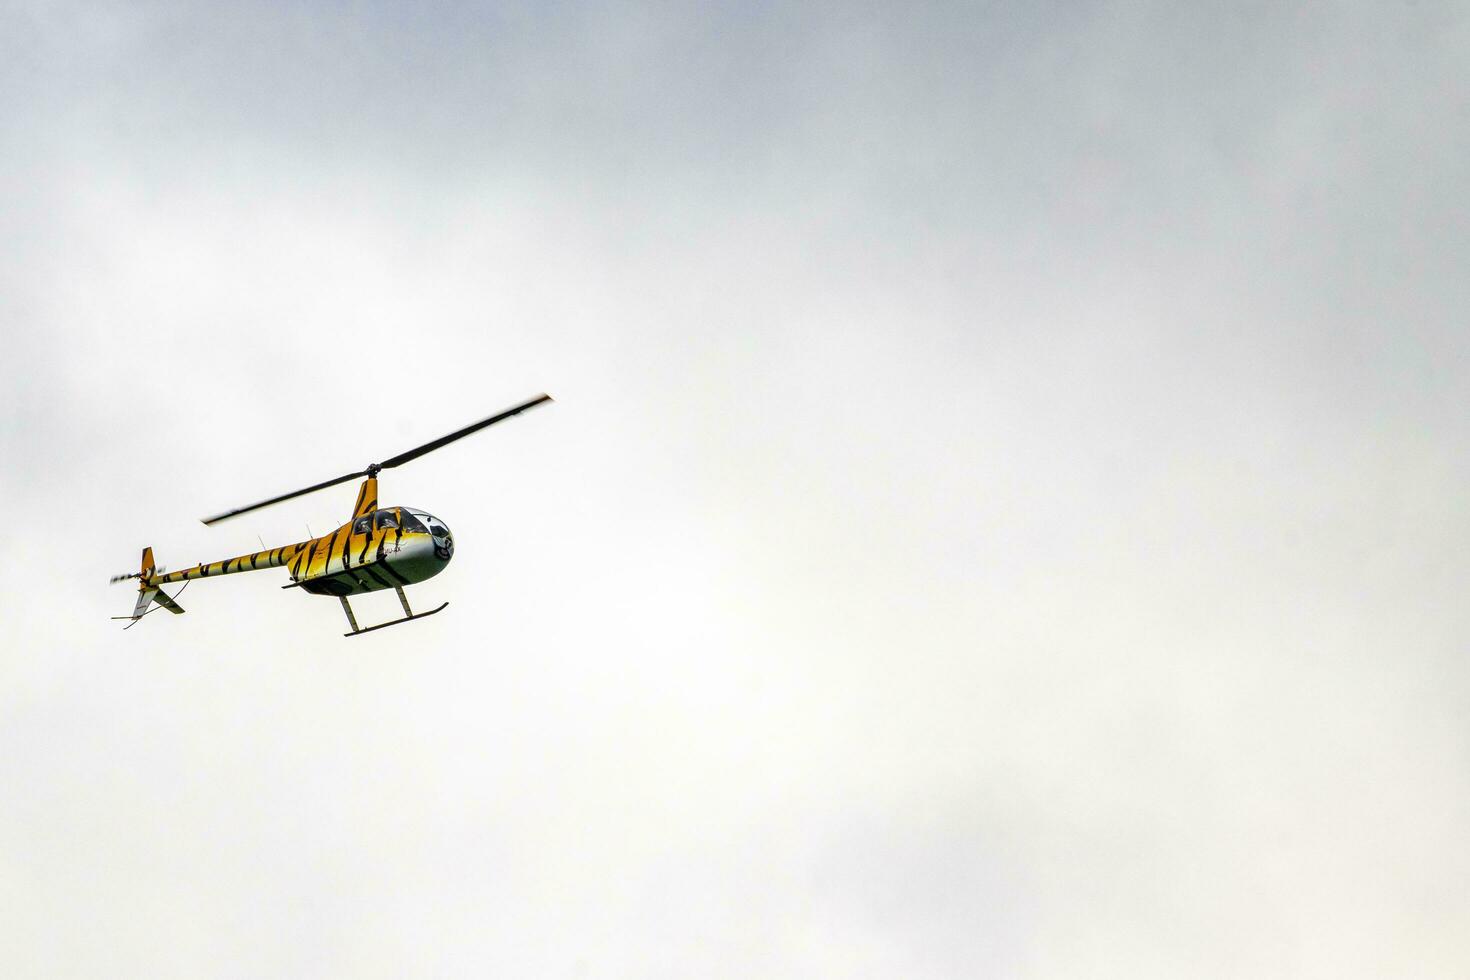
(1002, 516)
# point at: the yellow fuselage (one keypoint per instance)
(382, 549)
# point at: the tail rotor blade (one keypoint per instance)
(131, 575)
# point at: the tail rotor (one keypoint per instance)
(148, 591)
(123, 578)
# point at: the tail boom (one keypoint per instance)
(272, 558)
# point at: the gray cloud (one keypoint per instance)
(999, 516)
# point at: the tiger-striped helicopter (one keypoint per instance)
(379, 548)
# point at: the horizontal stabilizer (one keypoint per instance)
(164, 600)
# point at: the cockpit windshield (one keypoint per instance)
(412, 523)
(386, 519)
(435, 526)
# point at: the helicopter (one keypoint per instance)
(379, 548)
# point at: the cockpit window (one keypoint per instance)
(362, 525)
(386, 519)
(411, 523)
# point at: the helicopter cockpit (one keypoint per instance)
(412, 520)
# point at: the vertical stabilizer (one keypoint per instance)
(148, 591)
(145, 595)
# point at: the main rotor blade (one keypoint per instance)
(398, 460)
(285, 496)
(429, 447)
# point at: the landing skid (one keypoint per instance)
(410, 615)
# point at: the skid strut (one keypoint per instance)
(351, 619)
(408, 614)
